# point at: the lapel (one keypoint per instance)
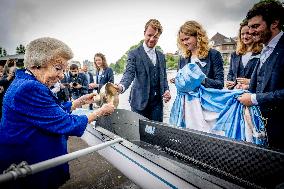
(271, 60)
(269, 65)
(145, 59)
(238, 65)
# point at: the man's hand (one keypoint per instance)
(245, 99)
(118, 88)
(167, 96)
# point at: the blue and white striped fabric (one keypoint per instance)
(230, 117)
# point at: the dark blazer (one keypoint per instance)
(270, 98)
(107, 76)
(213, 69)
(137, 70)
(91, 80)
(238, 70)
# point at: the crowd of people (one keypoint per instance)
(36, 113)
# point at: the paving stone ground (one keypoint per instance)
(93, 171)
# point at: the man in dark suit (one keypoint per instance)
(90, 79)
(147, 67)
(265, 21)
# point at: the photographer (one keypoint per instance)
(78, 83)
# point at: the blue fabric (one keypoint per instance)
(231, 119)
(213, 69)
(35, 127)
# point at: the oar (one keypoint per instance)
(23, 169)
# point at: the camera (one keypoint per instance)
(75, 84)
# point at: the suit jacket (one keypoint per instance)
(91, 80)
(213, 69)
(137, 70)
(238, 70)
(270, 98)
(107, 76)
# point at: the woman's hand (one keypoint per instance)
(230, 84)
(105, 110)
(93, 85)
(244, 81)
(86, 99)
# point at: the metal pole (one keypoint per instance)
(41, 166)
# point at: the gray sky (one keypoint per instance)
(112, 26)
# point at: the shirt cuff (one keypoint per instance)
(123, 88)
(253, 99)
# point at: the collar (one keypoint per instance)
(199, 61)
(147, 49)
(274, 41)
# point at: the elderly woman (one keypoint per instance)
(35, 126)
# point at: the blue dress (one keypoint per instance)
(35, 127)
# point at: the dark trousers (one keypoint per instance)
(153, 110)
(274, 128)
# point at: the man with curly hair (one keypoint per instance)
(265, 21)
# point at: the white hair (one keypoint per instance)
(40, 51)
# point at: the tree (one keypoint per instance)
(3, 52)
(171, 61)
(120, 65)
(20, 49)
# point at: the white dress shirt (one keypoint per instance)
(151, 52)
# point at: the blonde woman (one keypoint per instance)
(244, 60)
(192, 41)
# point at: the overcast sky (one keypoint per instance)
(112, 26)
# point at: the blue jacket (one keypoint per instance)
(238, 70)
(107, 76)
(213, 69)
(34, 128)
(270, 98)
(137, 70)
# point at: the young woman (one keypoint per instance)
(104, 74)
(244, 60)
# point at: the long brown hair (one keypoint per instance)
(102, 56)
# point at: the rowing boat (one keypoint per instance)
(158, 155)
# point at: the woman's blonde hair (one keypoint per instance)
(193, 28)
(41, 51)
(102, 56)
(243, 48)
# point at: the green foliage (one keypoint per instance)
(120, 65)
(20, 49)
(3, 52)
(226, 62)
(171, 61)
